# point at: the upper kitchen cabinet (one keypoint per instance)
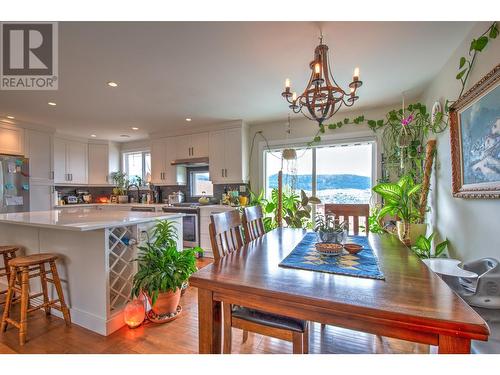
(11, 140)
(70, 161)
(163, 152)
(38, 148)
(104, 159)
(192, 146)
(228, 156)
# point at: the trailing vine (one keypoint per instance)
(405, 131)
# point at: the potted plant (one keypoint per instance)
(163, 270)
(121, 184)
(401, 200)
(423, 247)
(330, 230)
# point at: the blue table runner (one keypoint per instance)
(363, 264)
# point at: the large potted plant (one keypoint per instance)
(162, 269)
(401, 201)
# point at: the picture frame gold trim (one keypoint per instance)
(459, 189)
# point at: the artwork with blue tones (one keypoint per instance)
(363, 264)
(480, 136)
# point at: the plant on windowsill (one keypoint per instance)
(163, 270)
(121, 183)
(401, 201)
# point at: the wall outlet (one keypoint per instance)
(243, 188)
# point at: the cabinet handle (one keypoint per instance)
(225, 172)
(71, 176)
(51, 175)
(222, 172)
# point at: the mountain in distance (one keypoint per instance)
(325, 181)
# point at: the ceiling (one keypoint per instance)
(220, 71)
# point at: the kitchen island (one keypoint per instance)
(96, 250)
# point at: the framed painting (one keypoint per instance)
(475, 140)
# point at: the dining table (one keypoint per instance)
(411, 303)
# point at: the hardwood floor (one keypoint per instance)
(50, 335)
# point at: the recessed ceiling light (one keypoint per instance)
(52, 103)
(10, 117)
(188, 119)
(93, 135)
(135, 128)
(112, 84)
(124, 136)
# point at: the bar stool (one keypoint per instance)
(28, 267)
(8, 252)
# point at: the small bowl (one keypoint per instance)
(329, 248)
(353, 248)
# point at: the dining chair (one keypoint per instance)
(346, 211)
(226, 238)
(253, 223)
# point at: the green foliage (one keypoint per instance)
(161, 267)
(400, 199)
(423, 247)
(121, 182)
(328, 223)
(374, 225)
(465, 64)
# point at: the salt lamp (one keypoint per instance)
(133, 314)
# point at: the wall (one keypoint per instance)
(471, 225)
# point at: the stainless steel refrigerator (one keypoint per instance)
(14, 188)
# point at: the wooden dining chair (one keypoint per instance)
(253, 223)
(226, 238)
(346, 211)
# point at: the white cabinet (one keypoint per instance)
(192, 146)
(38, 148)
(104, 159)
(70, 161)
(163, 151)
(228, 159)
(11, 140)
(41, 196)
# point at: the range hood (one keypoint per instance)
(193, 162)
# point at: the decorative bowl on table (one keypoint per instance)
(329, 248)
(353, 248)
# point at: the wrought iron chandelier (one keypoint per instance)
(322, 97)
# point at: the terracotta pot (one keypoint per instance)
(414, 231)
(167, 302)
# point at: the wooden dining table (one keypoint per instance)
(412, 303)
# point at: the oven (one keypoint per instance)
(190, 224)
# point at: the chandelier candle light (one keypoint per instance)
(322, 97)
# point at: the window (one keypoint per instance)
(137, 164)
(200, 184)
(333, 173)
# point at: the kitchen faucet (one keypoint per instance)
(138, 191)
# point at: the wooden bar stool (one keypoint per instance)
(28, 267)
(8, 253)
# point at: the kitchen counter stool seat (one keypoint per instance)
(25, 268)
(8, 252)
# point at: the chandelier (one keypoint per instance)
(322, 97)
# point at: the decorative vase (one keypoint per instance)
(409, 233)
(167, 302)
(134, 312)
(333, 237)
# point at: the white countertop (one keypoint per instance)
(89, 205)
(84, 220)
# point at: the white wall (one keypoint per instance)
(471, 225)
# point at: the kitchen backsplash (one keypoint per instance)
(165, 190)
